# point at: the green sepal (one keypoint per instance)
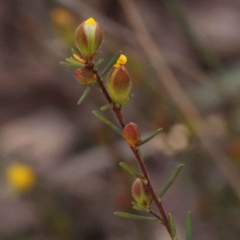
(99, 116)
(99, 61)
(139, 208)
(74, 51)
(86, 92)
(189, 226)
(171, 179)
(133, 216)
(150, 137)
(105, 107)
(172, 227)
(131, 170)
(69, 65)
(95, 84)
(75, 62)
(111, 63)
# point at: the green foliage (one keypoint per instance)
(133, 216)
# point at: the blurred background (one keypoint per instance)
(60, 177)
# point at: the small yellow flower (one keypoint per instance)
(21, 177)
(90, 21)
(122, 60)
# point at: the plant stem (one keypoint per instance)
(136, 152)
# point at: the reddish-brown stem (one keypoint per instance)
(155, 214)
(136, 152)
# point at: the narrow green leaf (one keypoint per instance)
(75, 62)
(175, 173)
(69, 65)
(99, 61)
(99, 116)
(105, 107)
(133, 216)
(172, 226)
(140, 208)
(74, 51)
(150, 137)
(189, 226)
(86, 92)
(111, 63)
(131, 170)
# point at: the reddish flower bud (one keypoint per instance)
(141, 193)
(88, 38)
(85, 76)
(131, 134)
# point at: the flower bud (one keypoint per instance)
(88, 38)
(119, 83)
(85, 76)
(131, 134)
(141, 193)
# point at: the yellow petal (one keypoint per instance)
(90, 21)
(122, 60)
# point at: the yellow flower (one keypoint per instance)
(21, 177)
(122, 60)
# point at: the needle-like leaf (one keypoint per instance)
(86, 92)
(172, 226)
(175, 173)
(133, 216)
(189, 226)
(111, 63)
(99, 116)
(150, 137)
(131, 170)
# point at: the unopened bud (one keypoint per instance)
(141, 193)
(131, 134)
(85, 76)
(119, 82)
(88, 38)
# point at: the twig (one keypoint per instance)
(187, 108)
(136, 152)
